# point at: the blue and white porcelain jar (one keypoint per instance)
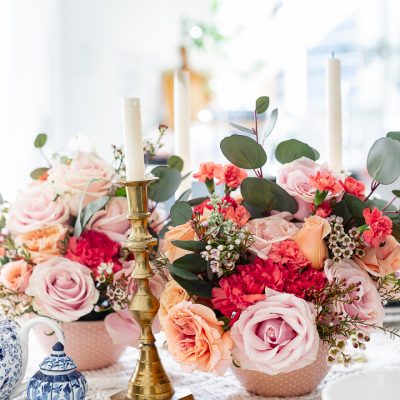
(57, 379)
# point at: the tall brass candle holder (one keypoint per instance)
(149, 380)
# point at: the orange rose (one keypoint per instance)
(382, 261)
(196, 338)
(44, 243)
(171, 296)
(179, 232)
(15, 275)
(310, 239)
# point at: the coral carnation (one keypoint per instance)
(380, 227)
(207, 171)
(354, 187)
(325, 181)
(231, 175)
(288, 253)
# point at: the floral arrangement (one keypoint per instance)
(271, 272)
(62, 249)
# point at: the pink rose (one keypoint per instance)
(62, 289)
(86, 174)
(15, 275)
(294, 177)
(36, 207)
(270, 230)
(366, 303)
(112, 220)
(276, 335)
(196, 338)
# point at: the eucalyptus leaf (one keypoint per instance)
(198, 200)
(350, 207)
(197, 288)
(185, 195)
(175, 162)
(394, 135)
(40, 140)
(38, 172)
(270, 123)
(241, 128)
(182, 272)
(243, 152)
(293, 149)
(192, 262)
(180, 213)
(380, 204)
(88, 211)
(262, 104)
(120, 192)
(163, 231)
(190, 245)
(167, 184)
(383, 162)
(396, 193)
(267, 195)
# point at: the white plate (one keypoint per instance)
(383, 384)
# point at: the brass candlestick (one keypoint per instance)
(149, 380)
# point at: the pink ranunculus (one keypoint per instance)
(15, 275)
(87, 175)
(365, 303)
(35, 207)
(269, 230)
(294, 177)
(112, 220)
(276, 335)
(62, 289)
(196, 338)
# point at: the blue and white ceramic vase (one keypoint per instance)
(57, 378)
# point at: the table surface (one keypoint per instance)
(382, 352)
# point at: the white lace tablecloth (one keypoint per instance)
(381, 352)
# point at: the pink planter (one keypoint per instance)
(87, 343)
(291, 384)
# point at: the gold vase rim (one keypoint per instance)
(146, 181)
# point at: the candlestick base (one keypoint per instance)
(180, 394)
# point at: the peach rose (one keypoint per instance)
(112, 220)
(35, 207)
(382, 261)
(44, 243)
(310, 239)
(270, 230)
(196, 338)
(179, 232)
(171, 296)
(87, 174)
(15, 275)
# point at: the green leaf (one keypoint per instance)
(198, 200)
(241, 128)
(255, 212)
(192, 262)
(182, 272)
(395, 135)
(262, 104)
(243, 152)
(383, 161)
(163, 231)
(185, 195)
(190, 245)
(197, 288)
(40, 140)
(38, 172)
(379, 204)
(175, 162)
(166, 186)
(396, 193)
(293, 149)
(120, 192)
(271, 122)
(349, 207)
(181, 212)
(396, 231)
(267, 195)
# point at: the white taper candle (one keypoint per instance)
(334, 113)
(133, 141)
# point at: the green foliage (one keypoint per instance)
(241, 128)
(198, 200)
(167, 184)
(293, 149)
(40, 140)
(243, 152)
(185, 195)
(350, 207)
(196, 287)
(396, 193)
(194, 263)
(175, 162)
(190, 245)
(38, 172)
(379, 204)
(262, 104)
(393, 135)
(271, 122)
(383, 161)
(267, 195)
(120, 192)
(180, 213)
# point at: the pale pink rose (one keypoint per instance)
(36, 207)
(62, 289)
(382, 261)
(294, 177)
(112, 220)
(15, 275)
(269, 230)
(87, 174)
(196, 338)
(276, 335)
(366, 303)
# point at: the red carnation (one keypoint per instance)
(93, 248)
(206, 205)
(354, 187)
(379, 226)
(301, 283)
(325, 181)
(324, 210)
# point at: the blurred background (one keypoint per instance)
(64, 65)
